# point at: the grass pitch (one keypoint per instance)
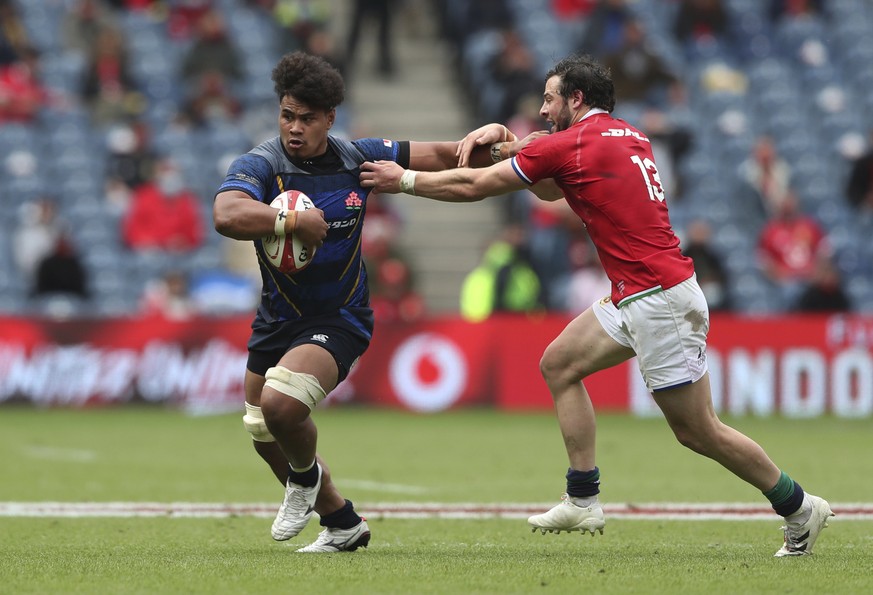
(156, 455)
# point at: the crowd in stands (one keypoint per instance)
(769, 182)
(118, 119)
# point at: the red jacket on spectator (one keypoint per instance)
(158, 220)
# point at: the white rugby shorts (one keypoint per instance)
(666, 329)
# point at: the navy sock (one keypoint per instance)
(344, 518)
(583, 484)
(786, 496)
(307, 479)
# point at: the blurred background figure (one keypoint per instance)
(392, 293)
(36, 236)
(130, 162)
(708, 266)
(588, 281)
(298, 21)
(504, 281)
(22, 95)
(61, 272)
(766, 174)
(381, 12)
(789, 247)
(109, 88)
(859, 188)
(639, 73)
(164, 213)
(211, 50)
(168, 296)
(824, 292)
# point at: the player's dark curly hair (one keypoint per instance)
(582, 72)
(310, 80)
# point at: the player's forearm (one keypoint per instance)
(244, 218)
(456, 185)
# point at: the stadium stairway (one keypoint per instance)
(423, 101)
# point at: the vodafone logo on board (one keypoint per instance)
(428, 372)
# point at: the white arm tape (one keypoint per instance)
(407, 181)
(279, 225)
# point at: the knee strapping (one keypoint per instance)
(253, 421)
(303, 387)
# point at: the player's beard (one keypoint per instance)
(563, 120)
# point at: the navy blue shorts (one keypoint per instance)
(346, 335)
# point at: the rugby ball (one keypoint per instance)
(288, 254)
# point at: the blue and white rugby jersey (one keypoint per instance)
(336, 278)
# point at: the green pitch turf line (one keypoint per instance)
(674, 511)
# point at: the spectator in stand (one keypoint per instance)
(14, 39)
(700, 23)
(321, 43)
(164, 214)
(22, 95)
(514, 69)
(298, 20)
(824, 292)
(83, 24)
(795, 8)
(859, 189)
(551, 226)
(61, 272)
(572, 9)
(382, 14)
(36, 235)
(604, 32)
(183, 17)
(766, 174)
(639, 74)
(210, 101)
(789, 246)
(212, 50)
(504, 281)
(669, 129)
(588, 281)
(130, 161)
(711, 272)
(168, 297)
(392, 296)
(109, 88)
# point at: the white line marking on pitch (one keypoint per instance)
(673, 511)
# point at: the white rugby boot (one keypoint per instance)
(296, 509)
(802, 528)
(568, 516)
(333, 540)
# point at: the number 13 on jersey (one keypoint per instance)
(651, 177)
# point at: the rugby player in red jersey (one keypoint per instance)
(605, 170)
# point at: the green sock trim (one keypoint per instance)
(782, 491)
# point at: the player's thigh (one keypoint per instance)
(582, 348)
(309, 358)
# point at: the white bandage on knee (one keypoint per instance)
(253, 420)
(303, 387)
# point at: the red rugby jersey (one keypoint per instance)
(609, 178)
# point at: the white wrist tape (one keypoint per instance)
(279, 225)
(407, 181)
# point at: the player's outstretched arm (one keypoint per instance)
(455, 185)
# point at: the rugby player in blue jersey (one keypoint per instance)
(310, 328)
